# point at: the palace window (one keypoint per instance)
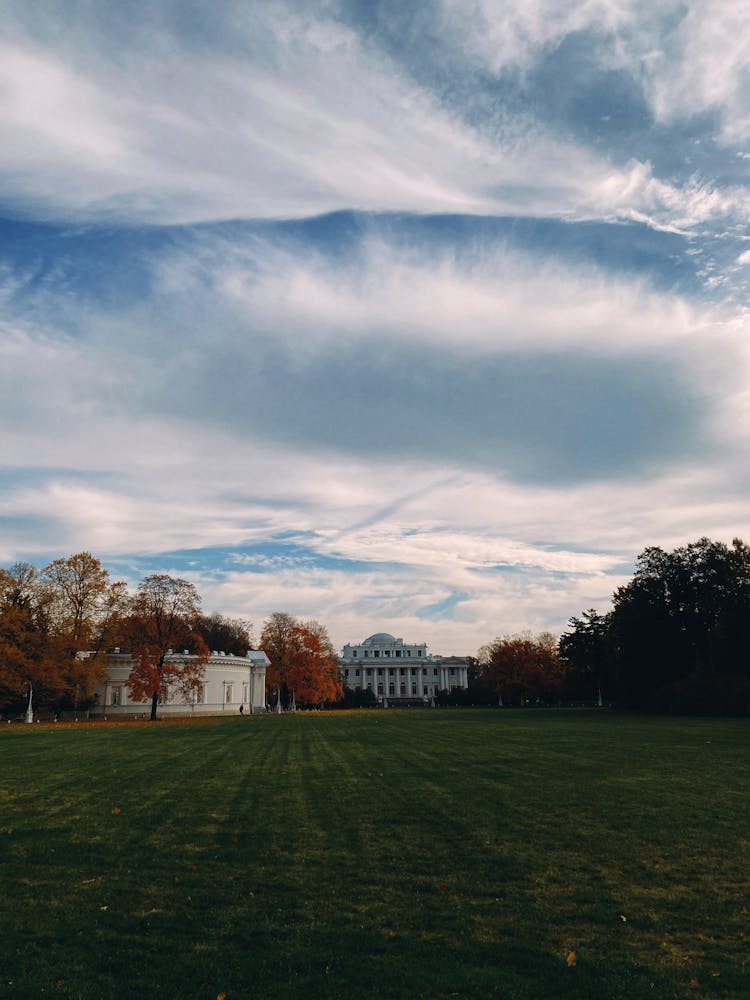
(228, 698)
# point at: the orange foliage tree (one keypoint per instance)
(29, 656)
(303, 661)
(522, 667)
(162, 618)
(84, 612)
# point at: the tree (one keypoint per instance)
(678, 634)
(314, 675)
(84, 612)
(162, 618)
(522, 667)
(222, 633)
(586, 652)
(29, 657)
(685, 613)
(303, 660)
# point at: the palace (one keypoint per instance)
(229, 682)
(397, 671)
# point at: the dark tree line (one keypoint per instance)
(678, 635)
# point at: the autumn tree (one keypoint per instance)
(221, 632)
(303, 660)
(84, 612)
(160, 629)
(522, 667)
(29, 657)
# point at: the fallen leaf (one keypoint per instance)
(623, 918)
(116, 811)
(571, 959)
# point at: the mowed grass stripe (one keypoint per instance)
(451, 853)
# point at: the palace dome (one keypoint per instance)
(379, 639)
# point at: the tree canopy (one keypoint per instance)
(161, 625)
(522, 667)
(677, 636)
(304, 665)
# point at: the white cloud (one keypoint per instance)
(706, 67)
(494, 301)
(502, 35)
(689, 56)
(95, 125)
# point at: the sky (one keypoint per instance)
(423, 318)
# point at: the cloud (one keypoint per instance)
(476, 334)
(488, 355)
(295, 113)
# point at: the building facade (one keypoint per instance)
(397, 671)
(228, 682)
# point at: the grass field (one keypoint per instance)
(448, 853)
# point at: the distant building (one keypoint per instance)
(397, 671)
(229, 681)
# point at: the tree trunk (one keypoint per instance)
(154, 703)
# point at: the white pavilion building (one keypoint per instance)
(229, 682)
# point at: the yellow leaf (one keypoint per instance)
(571, 959)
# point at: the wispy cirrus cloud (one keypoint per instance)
(109, 123)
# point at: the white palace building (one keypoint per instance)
(229, 682)
(397, 671)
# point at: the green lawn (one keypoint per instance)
(447, 853)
